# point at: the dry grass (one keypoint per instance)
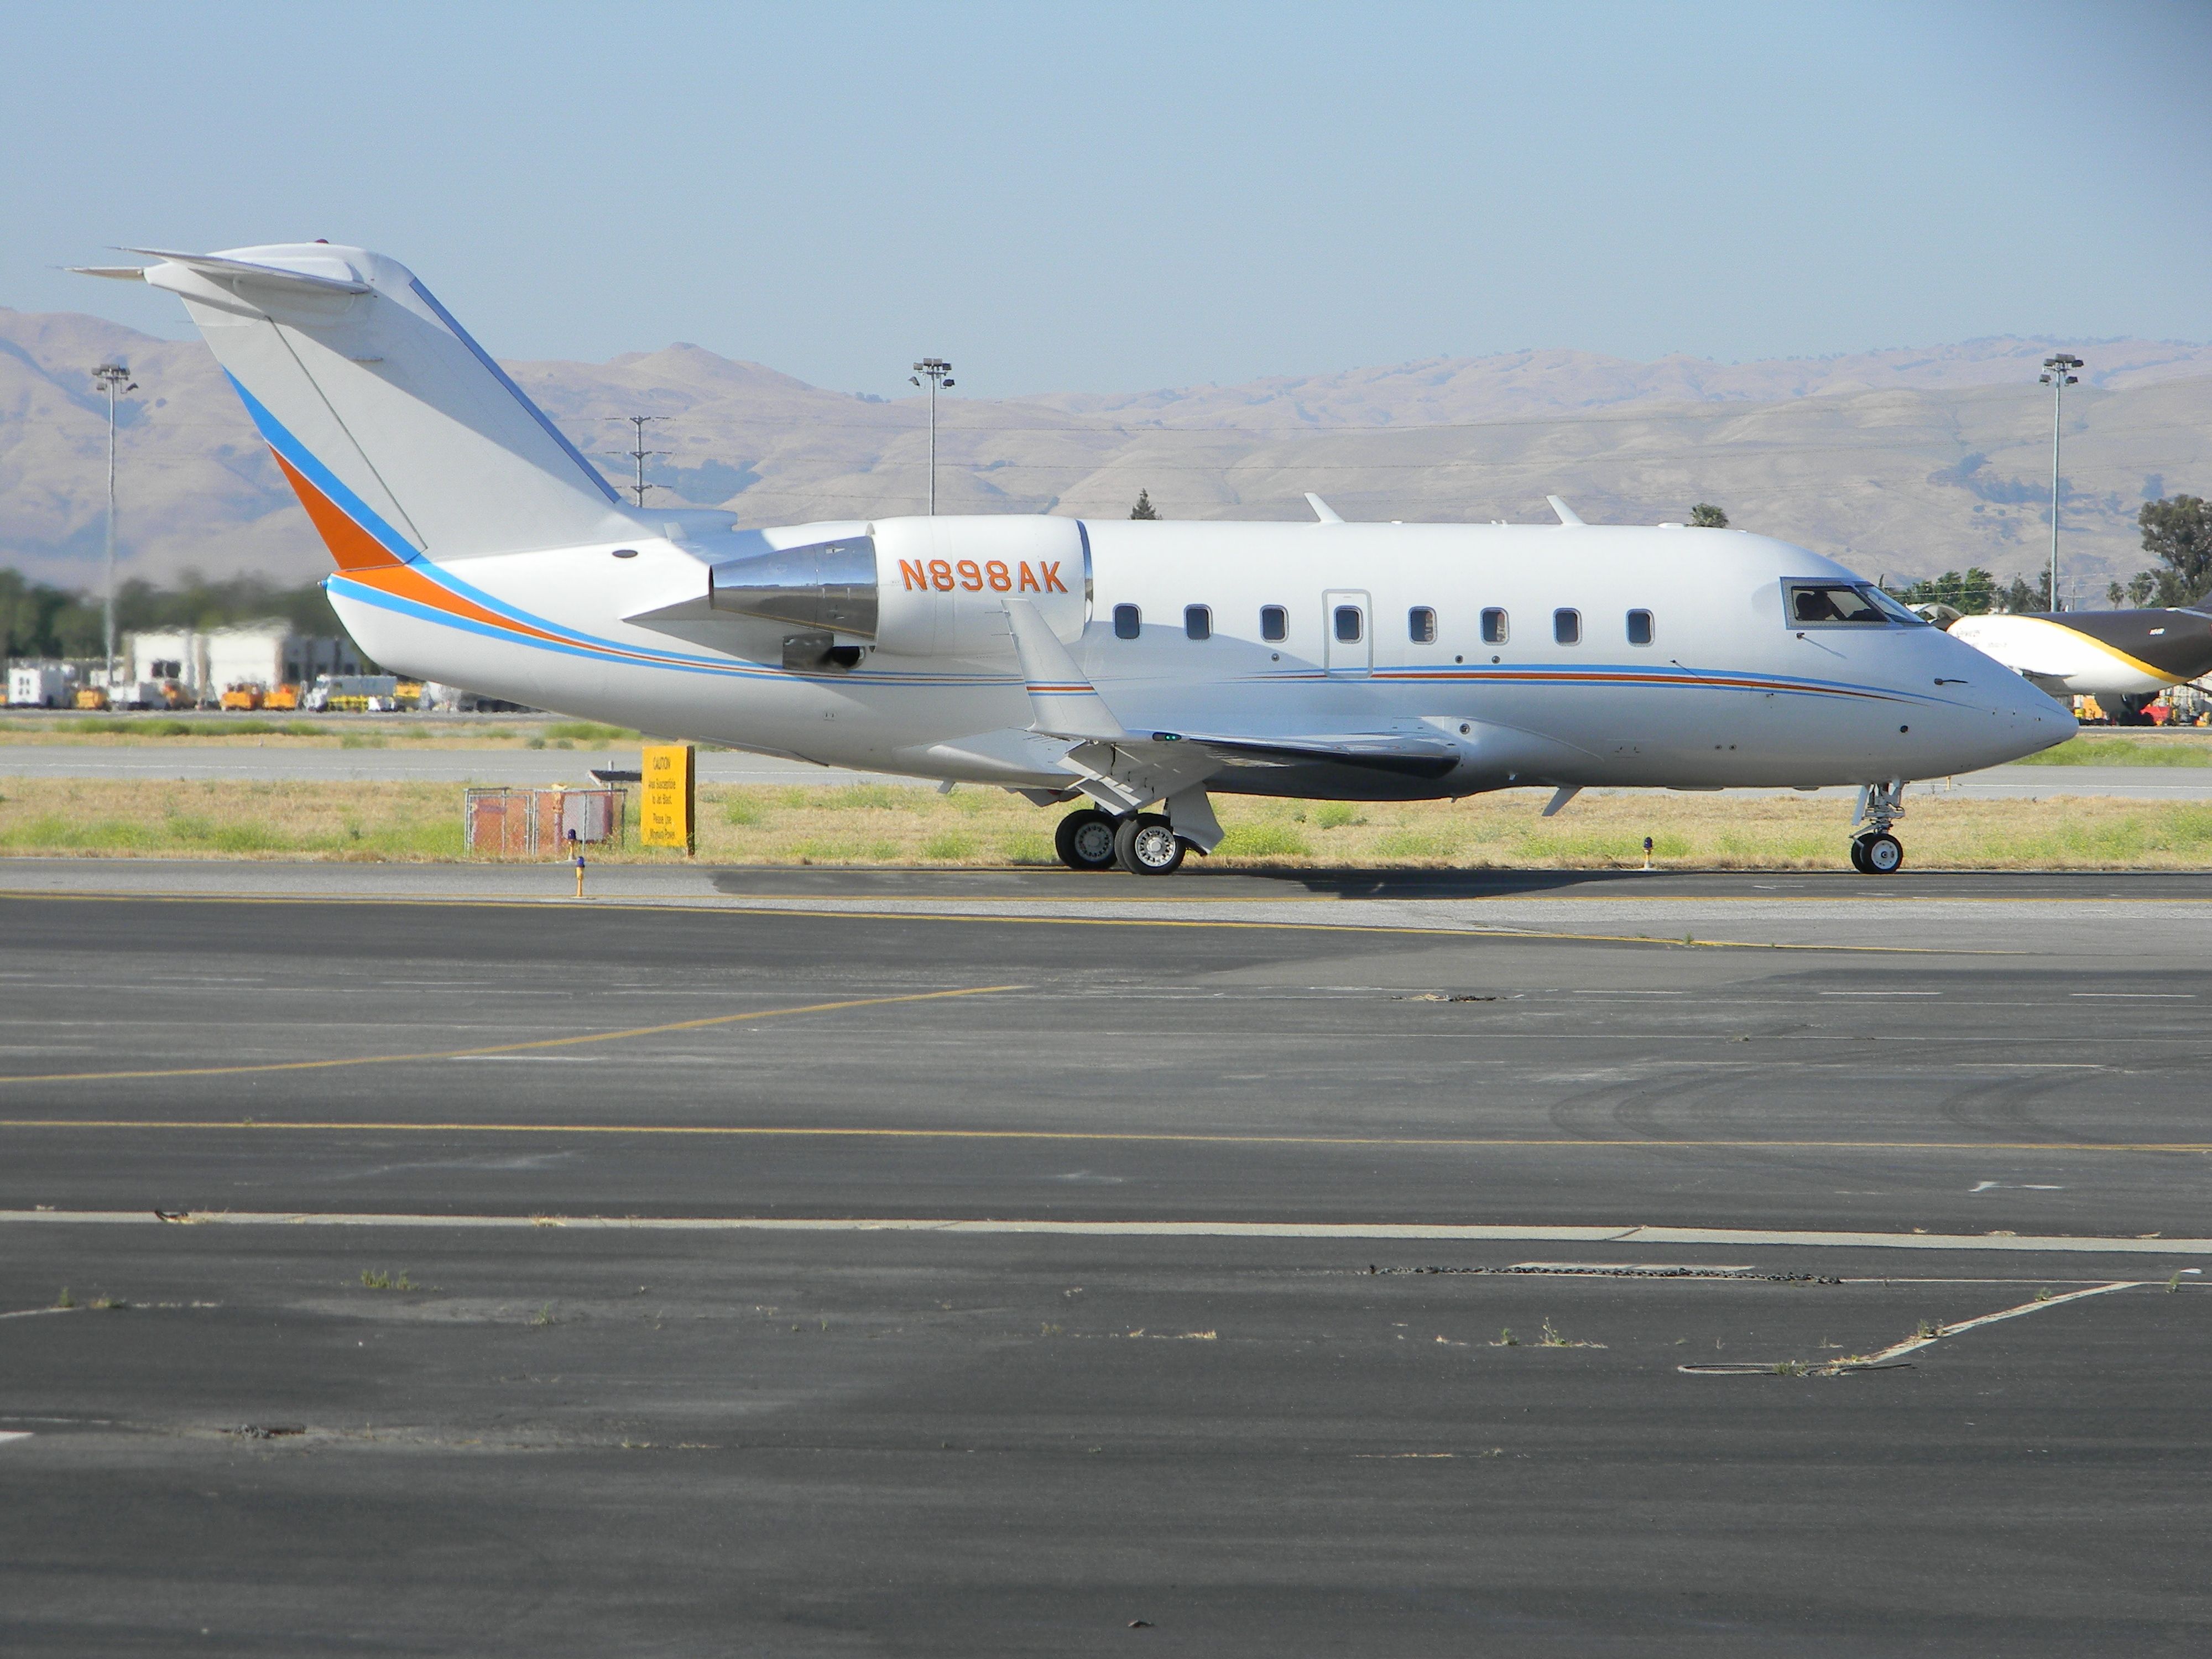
(2185, 747)
(276, 729)
(878, 825)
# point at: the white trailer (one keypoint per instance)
(41, 685)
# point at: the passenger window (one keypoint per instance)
(1197, 622)
(1639, 628)
(1274, 623)
(1493, 628)
(1126, 621)
(1347, 624)
(1567, 627)
(1421, 625)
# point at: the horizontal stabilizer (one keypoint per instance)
(1324, 512)
(337, 280)
(1567, 514)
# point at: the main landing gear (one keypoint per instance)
(1143, 843)
(1084, 840)
(1874, 851)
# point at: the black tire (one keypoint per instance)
(1147, 845)
(1884, 854)
(1084, 840)
(1858, 856)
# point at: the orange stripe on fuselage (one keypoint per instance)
(353, 548)
(405, 582)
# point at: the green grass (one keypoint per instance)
(591, 731)
(953, 846)
(1027, 846)
(1264, 840)
(1418, 844)
(1336, 815)
(2124, 752)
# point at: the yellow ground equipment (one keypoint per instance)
(91, 696)
(242, 696)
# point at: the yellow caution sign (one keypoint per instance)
(670, 808)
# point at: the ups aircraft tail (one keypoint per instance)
(403, 438)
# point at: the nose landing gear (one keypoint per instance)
(1874, 851)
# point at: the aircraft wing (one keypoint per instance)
(1403, 754)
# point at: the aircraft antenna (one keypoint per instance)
(641, 454)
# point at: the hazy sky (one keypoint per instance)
(1108, 196)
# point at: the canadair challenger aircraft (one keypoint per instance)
(1128, 666)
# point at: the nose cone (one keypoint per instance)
(2002, 716)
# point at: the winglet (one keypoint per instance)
(1062, 702)
(1567, 514)
(1324, 512)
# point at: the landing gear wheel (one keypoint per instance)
(1147, 845)
(1879, 854)
(1084, 840)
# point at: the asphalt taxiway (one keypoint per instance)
(826, 1262)
(517, 767)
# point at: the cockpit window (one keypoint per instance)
(1821, 604)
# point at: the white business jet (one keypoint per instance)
(1133, 667)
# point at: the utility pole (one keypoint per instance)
(112, 377)
(940, 374)
(641, 454)
(2057, 374)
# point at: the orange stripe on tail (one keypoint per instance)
(353, 548)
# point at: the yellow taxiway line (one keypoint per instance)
(505, 1048)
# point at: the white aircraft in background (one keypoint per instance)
(1123, 665)
(2121, 658)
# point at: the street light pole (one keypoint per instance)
(112, 377)
(2057, 374)
(940, 374)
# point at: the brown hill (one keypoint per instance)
(1900, 462)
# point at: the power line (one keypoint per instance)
(641, 454)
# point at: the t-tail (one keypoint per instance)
(403, 438)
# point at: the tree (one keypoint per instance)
(1705, 516)
(1969, 594)
(2020, 597)
(2177, 531)
(1144, 508)
(37, 620)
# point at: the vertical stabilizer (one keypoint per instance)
(402, 436)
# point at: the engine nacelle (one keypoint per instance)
(920, 586)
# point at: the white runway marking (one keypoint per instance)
(2059, 1244)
